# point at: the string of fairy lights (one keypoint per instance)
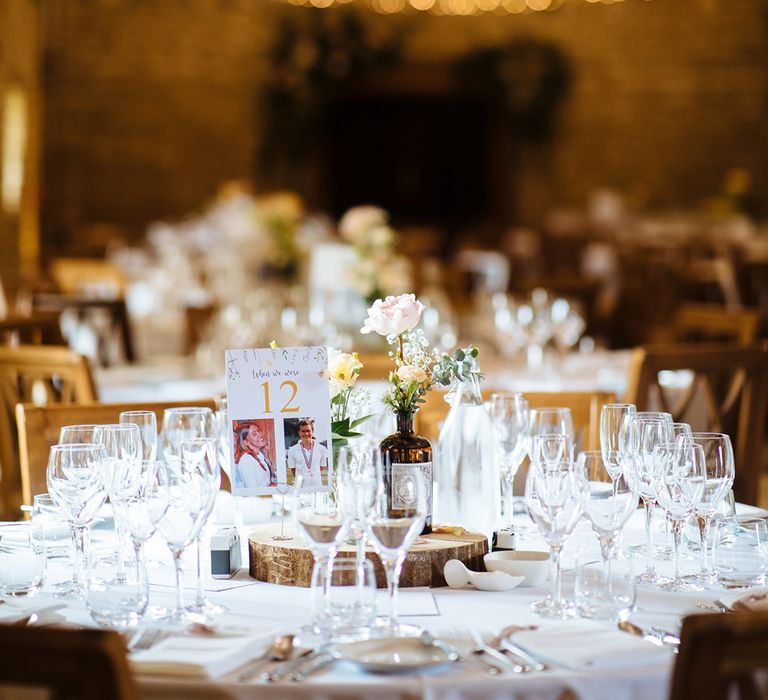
(452, 7)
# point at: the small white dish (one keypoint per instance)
(392, 654)
(532, 565)
(457, 576)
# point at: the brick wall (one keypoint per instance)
(150, 104)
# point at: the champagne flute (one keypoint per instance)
(179, 425)
(643, 472)
(147, 424)
(392, 533)
(719, 475)
(509, 413)
(203, 452)
(74, 483)
(555, 497)
(681, 484)
(123, 450)
(181, 522)
(614, 427)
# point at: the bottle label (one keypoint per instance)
(403, 490)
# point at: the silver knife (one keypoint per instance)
(315, 664)
(652, 635)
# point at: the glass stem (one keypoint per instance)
(507, 498)
(677, 531)
(705, 523)
(120, 576)
(200, 597)
(80, 546)
(649, 568)
(179, 582)
(393, 569)
(557, 593)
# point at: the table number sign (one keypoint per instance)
(280, 419)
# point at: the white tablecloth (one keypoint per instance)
(266, 608)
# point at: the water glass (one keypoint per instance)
(116, 603)
(740, 547)
(604, 592)
(147, 424)
(49, 528)
(22, 566)
(344, 598)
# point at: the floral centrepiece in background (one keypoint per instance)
(378, 270)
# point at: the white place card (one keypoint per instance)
(280, 416)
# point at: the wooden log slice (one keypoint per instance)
(289, 562)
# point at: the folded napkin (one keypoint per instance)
(756, 601)
(584, 644)
(199, 656)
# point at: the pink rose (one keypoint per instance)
(393, 315)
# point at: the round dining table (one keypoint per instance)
(587, 659)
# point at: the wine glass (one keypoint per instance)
(83, 434)
(549, 420)
(179, 425)
(643, 472)
(203, 453)
(147, 424)
(682, 430)
(188, 494)
(609, 502)
(74, 483)
(681, 484)
(555, 497)
(614, 426)
(551, 448)
(720, 472)
(141, 509)
(121, 467)
(184, 423)
(509, 413)
(318, 519)
(392, 532)
(356, 489)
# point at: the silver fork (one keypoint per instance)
(503, 663)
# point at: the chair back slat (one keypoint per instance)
(70, 664)
(39, 427)
(720, 654)
(729, 394)
(44, 374)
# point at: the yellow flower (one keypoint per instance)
(343, 369)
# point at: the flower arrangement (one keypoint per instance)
(418, 369)
(348, 402)
(378, 270)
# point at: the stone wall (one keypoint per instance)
(150, 104)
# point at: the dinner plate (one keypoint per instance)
(392, 654)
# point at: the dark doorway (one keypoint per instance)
(424, 158)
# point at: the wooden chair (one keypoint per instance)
(38, 329)
(74, 276)
(376, 365)
(39, 427)
(107, 317)
(710, 322)
(728, 394)
(70, 664)
(585, 407)
(720, 653)
(41, 375)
